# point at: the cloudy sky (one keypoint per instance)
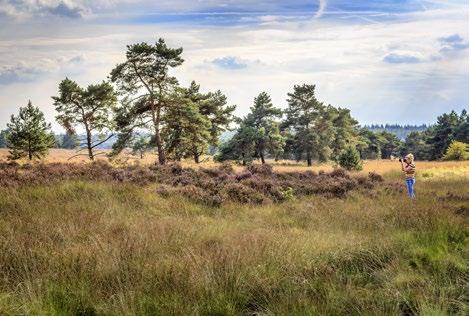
(403, 61)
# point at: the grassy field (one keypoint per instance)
(379, 166)
(101, 248)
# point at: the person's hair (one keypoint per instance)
(410, 158)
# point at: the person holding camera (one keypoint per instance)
(408, 167)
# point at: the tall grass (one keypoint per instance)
(97, 248)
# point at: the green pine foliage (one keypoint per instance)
(147, 87)
(350, 160)
(194, 122)
(433, 143)
(258, 135)
(28, 135)
(140, 146)
(89, 109)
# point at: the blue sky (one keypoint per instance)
(403, 61)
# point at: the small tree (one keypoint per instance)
(349, 159)
(89, 108)
(28, 134)
(240, 147)
(457, 151)
(140, 146)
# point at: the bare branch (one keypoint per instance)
(102, 142)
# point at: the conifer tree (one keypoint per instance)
(146, 86)
(28, 134)
(208, 115)
(309, 123)
(262, 119)
(90, 109)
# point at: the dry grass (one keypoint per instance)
(378, 166)
(97, 248)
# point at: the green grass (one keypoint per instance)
(83, 248)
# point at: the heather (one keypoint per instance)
(256, 184)
(101, 240)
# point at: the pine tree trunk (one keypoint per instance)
(196, 158)
(262, 157)
(30, 154)
(308, 159)
(159, 143)
(244, 160)
(89, 143)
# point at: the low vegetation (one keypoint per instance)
(256, 184)
(101, 240)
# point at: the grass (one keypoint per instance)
(379, 166)
(97, 248)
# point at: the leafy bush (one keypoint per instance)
(349, 159)
(457, 151)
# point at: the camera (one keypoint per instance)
(401, 159)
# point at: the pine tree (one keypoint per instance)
(389, 144)
(144, 81)
(209, 115)
(262, 119)
(345, 131)
(309, 124)
(28, 134)
(442, 134)
(240, 147)
(349, 159)
(186, 131)
(90, 109)
(140, 146)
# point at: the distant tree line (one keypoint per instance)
(401, 131)
(143, 108)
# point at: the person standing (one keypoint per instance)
(408, 167)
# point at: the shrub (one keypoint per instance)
(238, 192)
(287, 194)
(261, 169)
(375, 177)
(349, 159)
(457, 151)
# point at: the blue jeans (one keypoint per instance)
(410, 187)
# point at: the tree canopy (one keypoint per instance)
(28, 135)
(148, 90)
(89, 109)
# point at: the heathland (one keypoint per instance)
(100, 239)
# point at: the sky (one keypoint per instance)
(389, 61)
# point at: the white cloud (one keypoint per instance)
(322, 8)
(344, 60)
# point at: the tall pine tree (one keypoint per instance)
(263, 120)
(144, 81)
(309, 124)
(28, 135)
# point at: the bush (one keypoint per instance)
(349, 159)
(457, 151)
